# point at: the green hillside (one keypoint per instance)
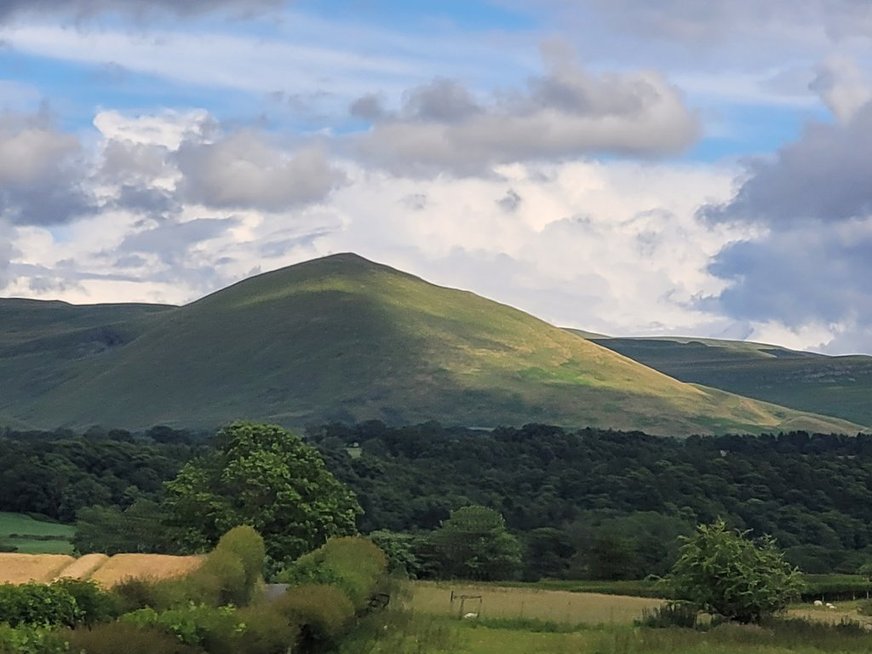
(832, 385)
(342, 338)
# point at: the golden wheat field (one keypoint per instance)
(83, 567)
(21, 568)
(107, 571)
(506, 602)
(144, 566)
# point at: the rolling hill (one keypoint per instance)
(343, 338)
(834, 385)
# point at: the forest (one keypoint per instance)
(596, 504)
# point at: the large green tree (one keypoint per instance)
(722, 571)
(474, 544)
(266, 477)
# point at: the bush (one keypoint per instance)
(724, 572)
(249, 547)
(30, 640)
(353, 564)
(212, 628)
(94, 603)
(115, 637)
(133, 594)
(38, 605)
(266, 631)
(322, 612)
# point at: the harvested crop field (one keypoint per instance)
(21, 568)
(144, 566)
(531, 603)
(83, 567)
(107, 571)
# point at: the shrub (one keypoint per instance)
(724, 572)
(30, 640)
(220, 580)
(865, 607)
(38, 605)
(212, 628)
(266, 631)
(115, 637)
(353, 564)
(248, 545)
(322, 612)
(94, 603)
(132, 594)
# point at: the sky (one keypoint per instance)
(620, 166)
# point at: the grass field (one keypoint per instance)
(30, 536)
(498, 602)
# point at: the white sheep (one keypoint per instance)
(470, 616)
(818, 603)
(830, 606)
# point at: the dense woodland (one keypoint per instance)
(585, 504)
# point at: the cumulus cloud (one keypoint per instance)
(565, 114)
(6, 253)
(41, 172)
(813, 260)
(843, 86)
(244, 170)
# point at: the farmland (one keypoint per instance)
(501, 602)
(107, 571)
(31, 536)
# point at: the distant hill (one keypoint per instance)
(343, 338)
(832, 385)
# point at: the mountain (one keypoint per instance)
(833, 385)
(343, 338)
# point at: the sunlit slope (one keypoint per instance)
(840, 386)
(342, 338)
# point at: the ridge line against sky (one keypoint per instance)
(699, 169)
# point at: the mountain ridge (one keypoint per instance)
(343, 338)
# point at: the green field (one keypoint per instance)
(833, 385)
(526, 620)
(31, 536)
(343, 339)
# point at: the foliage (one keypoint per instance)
(324, 612)
(206, 626)
(401, 552)
(111, 530)
(30, 640)
(115, 637)
(353, 564)
(724, 572)
(475, 544)
(94, 604)
(595, 484)
(266, 477)
(38, 605)
(56, 474)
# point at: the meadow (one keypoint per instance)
(491, 602)
(32, 536)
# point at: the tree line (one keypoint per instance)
(589, 503)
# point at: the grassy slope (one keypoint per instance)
(54, 537)
(344, 338)
(42, 344)
(838, 386)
